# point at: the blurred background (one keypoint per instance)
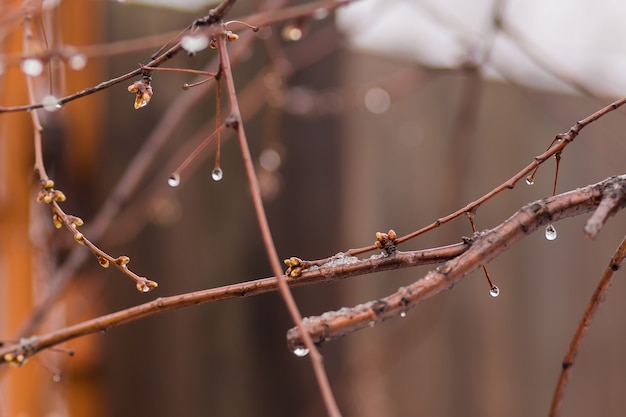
(386, 115)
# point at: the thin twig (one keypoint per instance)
(240, 290)
(485, 246)
(572, 203)
(559, 143)
(581, 330)
(234, 119)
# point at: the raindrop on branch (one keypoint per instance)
(217, 174)
(77, 61)
(31, 66)
(174, 180)
(530, 180)
(193, 44)
(51, 103)
(292, 33)
(551, 232)
(494, 291)
(300, 351)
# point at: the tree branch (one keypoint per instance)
(581, 330)
(462, 259)
(484, 247)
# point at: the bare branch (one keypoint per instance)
(484, 247)
(581, 330)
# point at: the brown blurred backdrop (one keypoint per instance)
(346, 172)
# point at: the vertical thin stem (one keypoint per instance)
(218, 121)
(255, 191)
(37, 128)
(581, 330)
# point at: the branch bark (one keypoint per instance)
(484, 247)
(462, 258)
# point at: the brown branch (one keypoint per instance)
(585, 321)
(130, 181)
(481, 249)
(557, 146)
(268, 17)
(245, 289)
(214, 15)
(484, 247)
(234, 120)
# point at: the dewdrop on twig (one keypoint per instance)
(194, 43)
(300, 351)
(551, 232)
(494, 291)
(217, 174)
(173, 180)
(51, 103)
(530, 180)
(31, 66)
(77, 61)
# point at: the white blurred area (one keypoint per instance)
(181, 5)
(573, 46)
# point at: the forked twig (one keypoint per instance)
(234, 121)
(484, 247)
(240, 290)
(477, 249)
(581, 330)
(559, 143)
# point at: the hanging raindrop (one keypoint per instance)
(195, 43)
(51, 103)
(494, 291)
(174, 180)
(292, 33)
(551, 232)
(77, 61)
(217, 174)
(300, 351)
(403, 314)
(31, 66)
(56, 377)
(530, 180)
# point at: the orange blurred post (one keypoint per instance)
(16, 174)
(25, 391)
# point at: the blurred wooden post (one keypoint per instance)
(16, 173)
(26, 391)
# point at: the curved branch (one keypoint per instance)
(581, 330)
(484, 247)
(462, 258)
(260, 286)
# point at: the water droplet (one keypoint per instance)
(320, 14)
(551, 232)
(56, 377)
(193, 44)
(77, 61)
(403, 314)
(270, 160)
(174, 180)
(51, 103)
(300, 351)
(530, 180)
(217, 174)
(494, 291)
(377, 100)
(31, 66)
(292, 33)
